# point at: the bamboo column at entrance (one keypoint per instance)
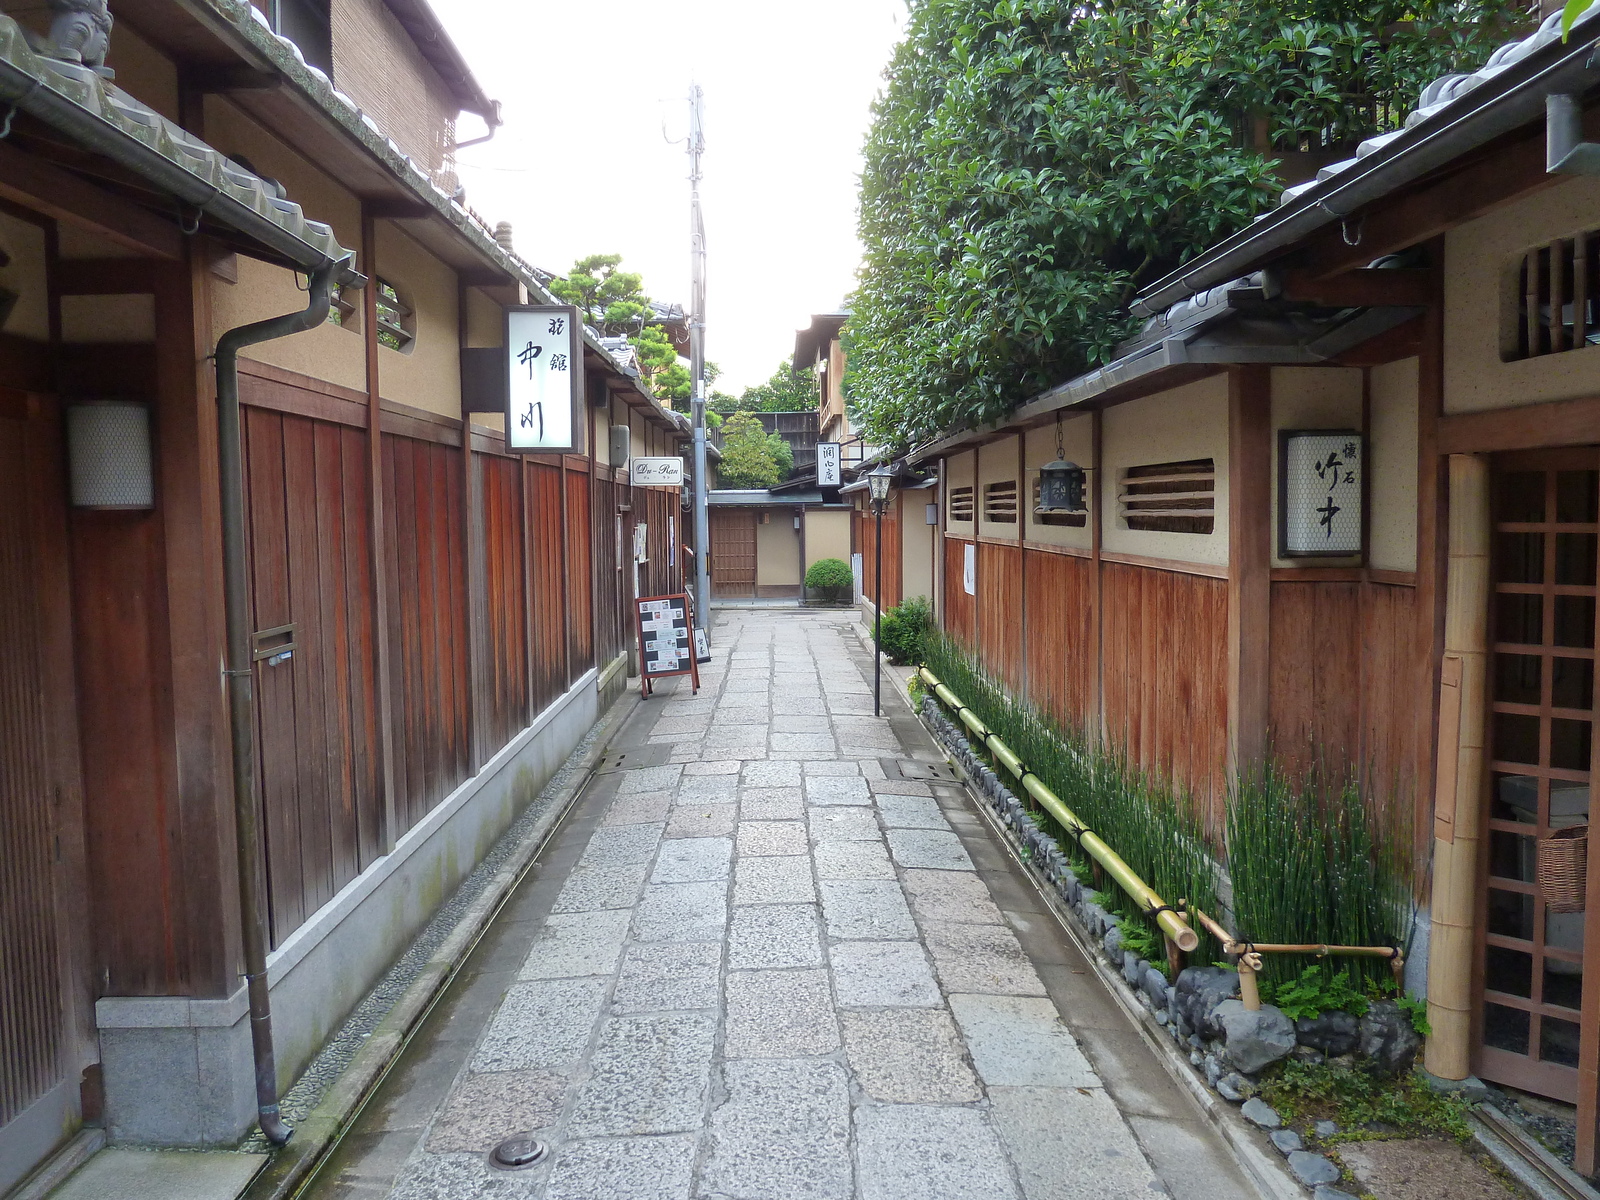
(1459, 778)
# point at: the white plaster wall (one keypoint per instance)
(997, 461)
(1183, 423)
(1392, 478)
(827, 535)
(1482, 259)
(916, 544)
(960, 470)
(1077, 440)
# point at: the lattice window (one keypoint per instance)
(1000, 502)
(959, 505)
(344, 308)
(1555, 302)
(397, 323)
(1075, 519)
(1172, 497)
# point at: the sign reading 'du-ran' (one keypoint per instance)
(544, 379)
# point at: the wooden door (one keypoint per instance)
(733, 552)
(1542, 710)
(46, 1029)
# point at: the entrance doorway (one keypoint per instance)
(733, 552)
(1530, 968)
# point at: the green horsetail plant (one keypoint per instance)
(1150, 825)
(1312, 862)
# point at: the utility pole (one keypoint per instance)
(697, 367)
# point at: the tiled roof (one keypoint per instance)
(77, 101)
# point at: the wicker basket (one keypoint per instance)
(1563, 868)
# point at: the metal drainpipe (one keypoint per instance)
(241, 689)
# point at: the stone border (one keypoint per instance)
(320, 1132)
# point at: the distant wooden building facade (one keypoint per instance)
(459, 616)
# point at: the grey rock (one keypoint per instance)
(1331, 1033)
(1198, 992)
(1113, 943)
(1328, 1193)
(1155, 986)
(1233, 1087)
(1196, 1058)
(1261, 1114)
(1286, 1140)
(1472, 1088)
(1324, 1129)
(1306, 1054)
(1255, 1040)
(1312, 1169)
(1162, 1018)
(1096, 918)
(1388, 1039)
(1130, 967)
(1213, 1069)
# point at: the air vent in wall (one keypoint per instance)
(1000, 502)
(1555, 298)
(960, 504)
(1172, 497)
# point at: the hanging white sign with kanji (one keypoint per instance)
(544, 379)
(1319, 493)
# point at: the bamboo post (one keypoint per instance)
(1249, 989)
(1457, 796)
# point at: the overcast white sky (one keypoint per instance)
(581, 165)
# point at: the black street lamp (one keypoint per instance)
(878, 481)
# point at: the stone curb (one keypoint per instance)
(315, 1137)
(1263, 1169)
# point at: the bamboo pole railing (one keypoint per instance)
(1249, 955)
(1172, 923)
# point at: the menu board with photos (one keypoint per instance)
(666, 640)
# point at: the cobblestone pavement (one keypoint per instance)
(762, 962)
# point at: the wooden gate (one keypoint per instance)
(1542, 705)
(733, 552)
(46, 1034)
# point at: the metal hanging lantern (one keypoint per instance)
(1061, 487)
(878, 482)
(1060, 482)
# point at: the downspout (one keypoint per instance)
(241, 686)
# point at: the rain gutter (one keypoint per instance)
(1513, 99)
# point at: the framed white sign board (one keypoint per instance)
(657, 472)
(544, 379)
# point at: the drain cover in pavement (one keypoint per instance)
(632, 757)
(516, 1153)
(905, 768)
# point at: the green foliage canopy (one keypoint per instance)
(787, 390)
(747, 458)
(1033, 163)
(612, 301)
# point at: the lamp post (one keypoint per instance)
(878, 481)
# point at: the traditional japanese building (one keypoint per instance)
(428, 622)
(1341, 500)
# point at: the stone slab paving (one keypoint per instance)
(768, 969)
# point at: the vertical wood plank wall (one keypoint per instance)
(1344, 677)
(893, 555)
(1000, 611)
(1165, 677)
(309, 520)
(1059, 641)
(960, 611)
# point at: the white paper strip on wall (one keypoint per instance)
(969, 569)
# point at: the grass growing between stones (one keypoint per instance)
(1150, 825)
(1365, 1105)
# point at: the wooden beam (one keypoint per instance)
(1524, 427)
(383, 706)
(1365, 287)
(30, 181)
(105, 277)
(222, 78)
(1249, 564)
(1498, 175)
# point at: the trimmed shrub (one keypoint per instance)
(832, 578)
(905, 627)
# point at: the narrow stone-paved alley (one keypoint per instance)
(771, 954)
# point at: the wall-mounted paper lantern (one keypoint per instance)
(109, 456)
(1320, 488)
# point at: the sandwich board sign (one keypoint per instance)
(666, 644)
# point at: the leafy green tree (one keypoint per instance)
(747, 457)
(787, 390)
(658, 363)
(782, 455)
(1033, 163)
(612, 301)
